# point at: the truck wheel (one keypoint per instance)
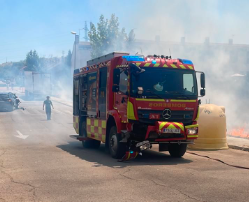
(177, 150)
(82, 131)
(91, 144)
(116, 148)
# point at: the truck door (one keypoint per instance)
(102, 93)
(121, 97)
(91, 94)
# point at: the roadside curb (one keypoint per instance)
(239, 148)
(55, 99)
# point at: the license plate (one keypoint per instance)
(154, 116)
(172, 130)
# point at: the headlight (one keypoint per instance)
(192, 131)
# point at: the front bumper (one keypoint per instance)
(156, 133)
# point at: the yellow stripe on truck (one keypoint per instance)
(173, 66)
(183, 100)
(192, 136)
(162, 125)
(182, 66)
(179, 125)
(130, 111)
(192, 126)
(197, 117)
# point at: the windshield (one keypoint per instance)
(165, 83)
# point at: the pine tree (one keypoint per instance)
(107, 37)
(69, 58)
(32, 61)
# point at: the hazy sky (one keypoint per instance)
(45, 25)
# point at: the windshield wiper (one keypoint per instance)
(173, 92)
(176, 92)
(184, 96)
(149, 91)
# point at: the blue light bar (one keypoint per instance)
(133, 58)
(186, 62)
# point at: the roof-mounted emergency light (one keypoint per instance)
(186, 62)
(158, 56)
(133, 58)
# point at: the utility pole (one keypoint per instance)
(74, 33)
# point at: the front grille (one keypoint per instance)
(184, 117)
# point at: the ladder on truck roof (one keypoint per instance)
(105, 58)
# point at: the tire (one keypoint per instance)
(116, 148)
(91, 144)
(82, 130)
(177, 150)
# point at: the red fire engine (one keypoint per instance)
(130, 102)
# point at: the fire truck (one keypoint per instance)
(130, 102)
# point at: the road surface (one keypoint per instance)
(39, 162)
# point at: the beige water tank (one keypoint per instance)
(212, 128)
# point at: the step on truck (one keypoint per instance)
(130, 102)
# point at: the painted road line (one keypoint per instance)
(20, 135)
(57, 111)
(68, 112)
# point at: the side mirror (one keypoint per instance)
(202, 92)
(116, 76)
(202, 80)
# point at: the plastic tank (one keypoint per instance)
(212, 128)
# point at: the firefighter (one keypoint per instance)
(17, 102)
(48, 103)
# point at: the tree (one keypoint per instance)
(131, 37)
(32, 61)
(107, 37)
(69, 58)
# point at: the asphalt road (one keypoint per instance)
(39, 162)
